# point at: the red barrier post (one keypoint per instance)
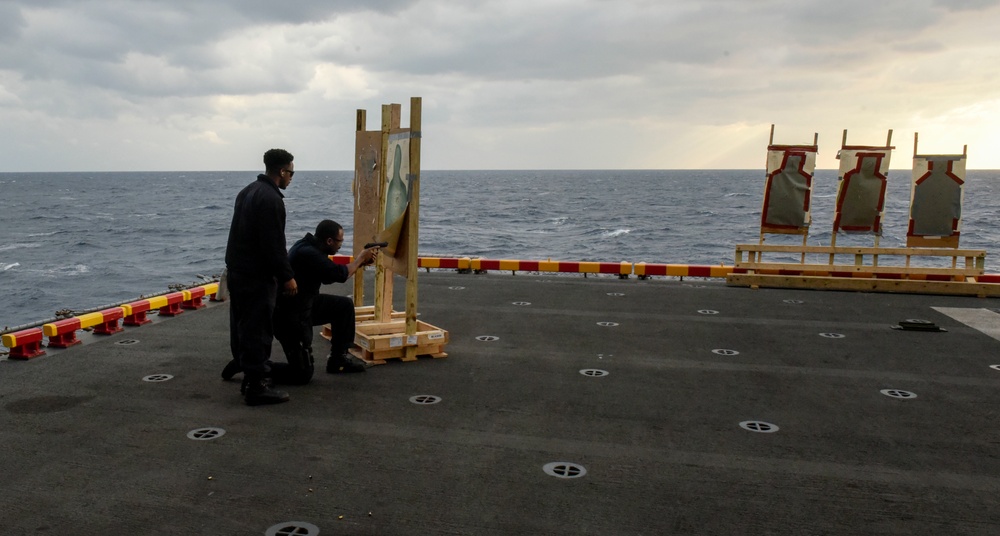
(24, 344)
(173, 306)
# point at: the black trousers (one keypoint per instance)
(294, 319)
(251, 306)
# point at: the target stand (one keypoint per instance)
(386, 209)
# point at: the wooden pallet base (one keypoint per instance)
(952, 288)
(378, 341)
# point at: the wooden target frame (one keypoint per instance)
(863, 176)
(937, 191)
(382, 159)
(788, 186)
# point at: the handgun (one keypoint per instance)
(376, 244)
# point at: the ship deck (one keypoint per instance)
(90, 448)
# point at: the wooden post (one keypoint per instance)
(359, 276)
(383, 277)
(413, 224)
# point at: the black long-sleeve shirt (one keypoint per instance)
(256, 244)
(313, 267)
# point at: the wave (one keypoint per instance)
(201, 207)
(75, 269)
(615, 233)
(22, 245)
(5, 267)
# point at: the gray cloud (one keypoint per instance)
(209, 77)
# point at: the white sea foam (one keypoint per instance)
(20, 245)
(5, 267)
(75, 269)
(616, 233)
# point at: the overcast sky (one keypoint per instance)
(106, 85)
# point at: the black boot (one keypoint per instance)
(257, 391)
(345, 362)
(232, 368)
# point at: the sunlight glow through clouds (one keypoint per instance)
(337, 82)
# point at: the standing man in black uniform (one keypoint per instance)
(256, 263)
(295, 316)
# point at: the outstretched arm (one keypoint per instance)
(366, 257)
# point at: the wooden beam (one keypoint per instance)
(413, 222)
(952, 288)
(383, 277)
(361, 120)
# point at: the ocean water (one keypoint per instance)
(83, 240)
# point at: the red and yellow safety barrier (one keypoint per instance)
(447, 263)
(168, 305)
(135, 312)
(24, 344)
(62, 333)
(513, 265)
(193, 296)
(453, 263)
(644, 270)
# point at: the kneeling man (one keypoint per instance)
(295, 316)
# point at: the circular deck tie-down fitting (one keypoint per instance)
(127, 342)
(425, 400)
(833, 335)
(487, 338)
(564, 469)
(594, 373)
(292, 528)
(607, 324)
(725, 351)
(157, 378)
(521, 303)
(759, 427)
(206, 434)
(456, 288)
(616, 294)
(793, 302)
(898, 393)
(707, 312)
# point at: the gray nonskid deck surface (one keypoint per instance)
(88, 447)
